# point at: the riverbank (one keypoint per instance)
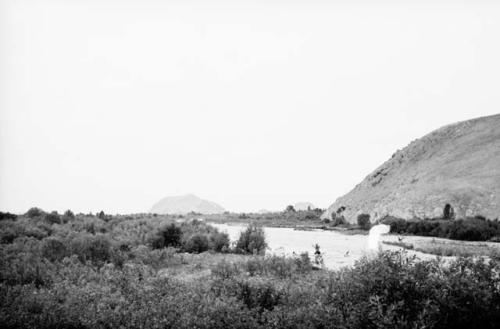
(443, 247)
(273, 220)
(343, 246)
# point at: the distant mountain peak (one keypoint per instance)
(184, 204)
(304, 206)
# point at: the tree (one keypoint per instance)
(67, 216)
(252, 240)
(34, 212)
(168, 236)
(290, 208)
(7, 215)
(448, 212)
(52, 218)
(364, 221)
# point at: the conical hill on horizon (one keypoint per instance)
(184, 204)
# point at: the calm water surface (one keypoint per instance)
(338, 250)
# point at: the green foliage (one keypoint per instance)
(364, 221)
(252, 240)
(290, 208)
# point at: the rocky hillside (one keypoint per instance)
(457, 165)
(184, 204)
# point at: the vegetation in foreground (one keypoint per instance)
(108, 272)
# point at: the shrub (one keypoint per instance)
(52, 218)
(94, 248)
(9, 231)
(219, 241)
(225, 270)
(7, 216)
(303, 263)
(473, 229)
(54, 249)
(364, 221)
(398, 225)
(34, 212)
(339, 220)
(252, 240)
(67, 216)
(258, 294)
(281, 267)
(168, 236)
(158, 258)
(196, 244)
(470, 229)
(35, 231)
(311, 215)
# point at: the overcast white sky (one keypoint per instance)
(252, 104)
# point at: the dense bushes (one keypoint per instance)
(112, 278)
(389, 291)
(470, 229)
(34, 212)
(190, 237)
(364, 221)
(7, 216)
(196, 243)
(52, 218)
(252, 240)
(93, 248)
(219, 241)
(54, 249)
(168, 236)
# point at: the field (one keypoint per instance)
(82, 271)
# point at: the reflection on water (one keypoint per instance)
(338, 249)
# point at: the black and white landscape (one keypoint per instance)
(249, 164)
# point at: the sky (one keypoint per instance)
(112, 105)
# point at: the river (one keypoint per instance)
(338, 250)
